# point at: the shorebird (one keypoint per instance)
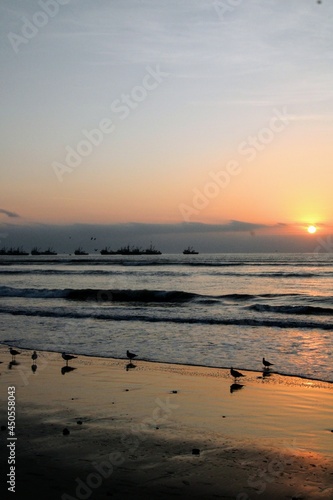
(68, 357)
(266, 363)
(130, 355)
(235, 373)
(13, 352)
(34, 356)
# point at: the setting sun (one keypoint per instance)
(312, 229)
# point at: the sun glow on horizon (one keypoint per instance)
(311, 229)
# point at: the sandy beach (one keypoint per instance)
(110, 430)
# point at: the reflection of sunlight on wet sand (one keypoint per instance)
(277, 407)
(273, 408)
(294, 411)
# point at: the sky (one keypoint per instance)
(181, 122)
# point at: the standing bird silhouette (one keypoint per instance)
(266, 363)
(235, 373)
(130, 355)
(68, 357)
(13, 352)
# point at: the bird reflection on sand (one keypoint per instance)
(236, 387)
(34, 368)
(67, 369)
(12, 363)
(130, 366)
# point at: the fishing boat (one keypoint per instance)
(13, 251)
(129, 251)
(49, 251)
(37, 251)
(190, 251)
(151, 251)
(80, 251)
(107, 251)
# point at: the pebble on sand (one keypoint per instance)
(195, 451)
(65, 431)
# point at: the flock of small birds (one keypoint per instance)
(131, 355)
(66, 357)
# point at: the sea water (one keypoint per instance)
(216, 310)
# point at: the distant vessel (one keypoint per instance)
(13, 251)
(128, 250)
(152, 251)
(107, 251)
(80, 251)
(190, 250)
(49, 251)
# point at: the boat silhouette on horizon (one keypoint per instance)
(128, 250)
(190, 251)
(80, 251)
(37, 251)
(13, 251)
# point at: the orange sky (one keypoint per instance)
(170, 114)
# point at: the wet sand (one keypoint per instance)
(163, 431)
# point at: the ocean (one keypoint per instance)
(217, 310)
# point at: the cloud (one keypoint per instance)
(9, 214)
(232, 226)
(182, 228)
